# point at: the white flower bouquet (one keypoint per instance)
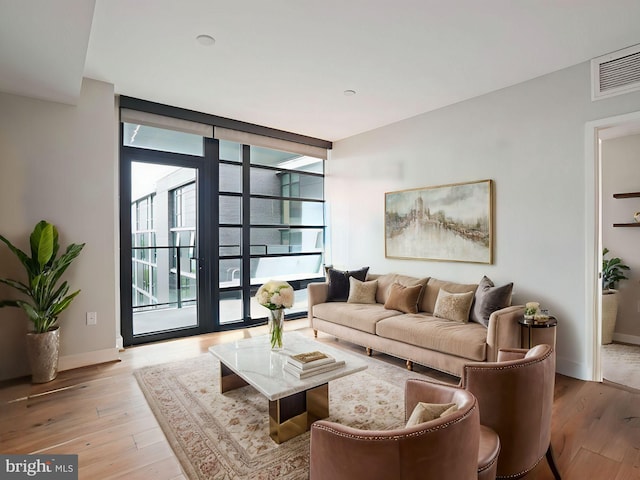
(531, 308)
(276, 296)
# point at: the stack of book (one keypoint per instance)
(304, 365)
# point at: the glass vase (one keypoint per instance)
(276, 328)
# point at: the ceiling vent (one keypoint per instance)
(616, 73)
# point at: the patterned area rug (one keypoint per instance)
(226, 436)
(621, 364)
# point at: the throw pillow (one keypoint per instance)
(404, 299)
(488, 299)
(338, 290)
(362, 292)
(425, 412)
(453, 306)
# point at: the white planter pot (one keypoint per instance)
(42, 350)
(609, 315)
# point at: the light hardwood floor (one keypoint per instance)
(100, 414)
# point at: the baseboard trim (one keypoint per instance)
(68, 362)
(623, 338)
(572, 369)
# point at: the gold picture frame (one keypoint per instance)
(446, 223)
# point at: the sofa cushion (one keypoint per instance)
(362, 292)
(431, 290)
(385, 281)
(488, 299)
(467, 340)
(453, 306)
(404, 299)
(339, 283)
(355, 315)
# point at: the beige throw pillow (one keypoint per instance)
(404, 299)
(425, 412)
(362, 292)
(453, 306)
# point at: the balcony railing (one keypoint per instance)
(164, 288)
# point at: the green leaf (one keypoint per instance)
(31, 312)
(63, 304)
(21, 287)
(60, 265)
(23, 257)
(42, 239)
(8, 303)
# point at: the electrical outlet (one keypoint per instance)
(92, 318)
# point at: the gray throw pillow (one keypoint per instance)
(488, 299)
(338, 290)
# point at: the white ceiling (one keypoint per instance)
(285, 63)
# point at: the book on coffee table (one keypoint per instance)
(299, 373)
(308, 360)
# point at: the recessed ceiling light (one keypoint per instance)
(206, 40)
(349, 93)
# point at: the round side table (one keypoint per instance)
(531, 325)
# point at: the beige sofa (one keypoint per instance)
(420, 337)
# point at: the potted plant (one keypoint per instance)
(612, 272)
(45, 300)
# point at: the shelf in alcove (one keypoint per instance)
(626, 224)
(626, 195)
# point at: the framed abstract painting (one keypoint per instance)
(447, 222)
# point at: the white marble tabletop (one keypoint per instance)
(253, 360)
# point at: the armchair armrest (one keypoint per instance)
(506, 354)
(316, 293)
(503, 330)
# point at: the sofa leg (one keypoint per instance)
(315, 333)
(410, 365)
(369, 352)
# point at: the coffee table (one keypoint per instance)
(294, 404)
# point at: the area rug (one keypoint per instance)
(226, 436)
(621, 364)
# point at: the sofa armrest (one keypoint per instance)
(503, 330)
(316, 293)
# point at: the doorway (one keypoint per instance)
(163, 277)
(620, 200)
(612, 177)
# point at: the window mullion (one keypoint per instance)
(246, 231)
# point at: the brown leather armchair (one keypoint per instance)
(515, 395)
(446, 448)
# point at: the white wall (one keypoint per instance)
(621, 174)
(530, 140)
(58, 163)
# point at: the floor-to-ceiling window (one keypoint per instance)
(283, 194)
(208, 221)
